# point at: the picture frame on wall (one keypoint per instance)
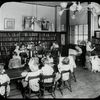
(98, 21)
(45, 25)
(9, 23)
(26, 21)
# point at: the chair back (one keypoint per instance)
(33, 77)
(65, 74)
(48, 77)
(5, 85)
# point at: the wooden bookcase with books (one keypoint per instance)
(9, 38)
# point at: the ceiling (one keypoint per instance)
(54, 3)
(49, 3)
(45, 3)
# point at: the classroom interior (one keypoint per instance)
(70, 24)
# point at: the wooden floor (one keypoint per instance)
(87, 86)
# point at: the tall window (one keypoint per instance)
(78, 33)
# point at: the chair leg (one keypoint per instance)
(53, 92)
(74, 77)
(59, 88)
(60, 91)
(69, 83)
(29, 92)
(53, 95)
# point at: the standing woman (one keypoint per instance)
(89, 50)
(23, 53)
(55, 55)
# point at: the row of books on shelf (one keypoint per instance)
(47, 34)
(9, 34)
(29, 34)
(7, 44)
(26, 38)
(9, 39)
(20, 42)
(37, 34)
(25, 34)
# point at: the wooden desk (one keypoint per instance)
(15, 74)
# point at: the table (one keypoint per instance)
(15, 74)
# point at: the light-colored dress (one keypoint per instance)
(33, 83)
(95, 61)
(47, 70)
(33, 64)
(4, 78)
(72, 63)
(64, 67)
(15, 62)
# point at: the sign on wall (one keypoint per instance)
(62, 39)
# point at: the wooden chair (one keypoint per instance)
(34, 93)
(73, 76)
(64, 85)
(48, 85)
(5, 85)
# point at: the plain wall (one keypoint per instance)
(17, 10)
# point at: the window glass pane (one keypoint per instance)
(80, 29)
(86, 29)
(76, 29)
(72, 39)
(76, 39)
(72, 33)
(85, 37)
(80, 37)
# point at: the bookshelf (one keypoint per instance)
(96, 41)
(9, 38)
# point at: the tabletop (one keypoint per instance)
(15, 74)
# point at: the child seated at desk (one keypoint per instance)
(34, 71)
(34, 63)
(23, 53)
(15, 62)
(47, 69)
(64, 65)
(50, 58)
(33, 83)
(95, 61)
(3, 79)
(72, 62)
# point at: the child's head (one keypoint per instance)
(48, 54)
(36, 60)
(46, 61)
(89, 43)
(1, 67)
(17, 47)
(65, 61)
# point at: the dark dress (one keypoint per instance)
(54, 54)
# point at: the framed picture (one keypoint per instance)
(9, 23)
(27, 21)
(98, 21)
(45, 25)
